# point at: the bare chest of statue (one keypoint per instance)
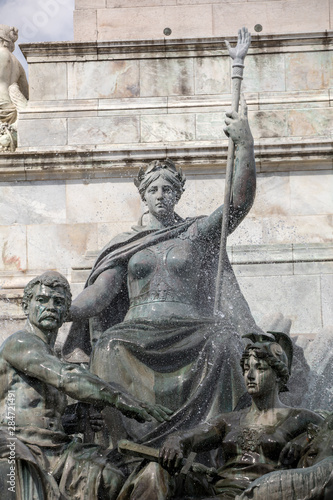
(36, 402)
(163, 280)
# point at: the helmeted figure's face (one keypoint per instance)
(6, 43)
(8, 36)
(161, 198)
(47, 307)
(260, 378)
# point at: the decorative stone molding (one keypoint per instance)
(271, 156)
(294, 279)
(246, 255)
(172, 94)
(185, 47)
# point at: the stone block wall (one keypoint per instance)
(282, 252)
(147, 19)
(107, 103)
(174, 94)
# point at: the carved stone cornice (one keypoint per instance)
(127, 49)
(271, 156)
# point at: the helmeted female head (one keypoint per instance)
(9, 35)
(278, 355)
(166, 169)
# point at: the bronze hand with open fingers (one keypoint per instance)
(239, 52)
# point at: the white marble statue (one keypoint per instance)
(14, 89)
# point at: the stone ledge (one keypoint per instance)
(272, 277)
(184, 104)
(271, 156)
(84, 51)
(247, 255)
(12, 282)
(290, 253)
(10, 305)
(123, 161)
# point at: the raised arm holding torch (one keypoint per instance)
(237, 54)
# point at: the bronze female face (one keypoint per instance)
(259, 377)
(273, 355)
(166, 169)
(161, 198)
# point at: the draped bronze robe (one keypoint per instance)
(191, 366)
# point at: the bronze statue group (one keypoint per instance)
(165, 372)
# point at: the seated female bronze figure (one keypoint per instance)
(254, 440)
(150, 299)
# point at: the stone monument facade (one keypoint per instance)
(149, 80)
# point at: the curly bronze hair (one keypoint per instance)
(52, 279)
